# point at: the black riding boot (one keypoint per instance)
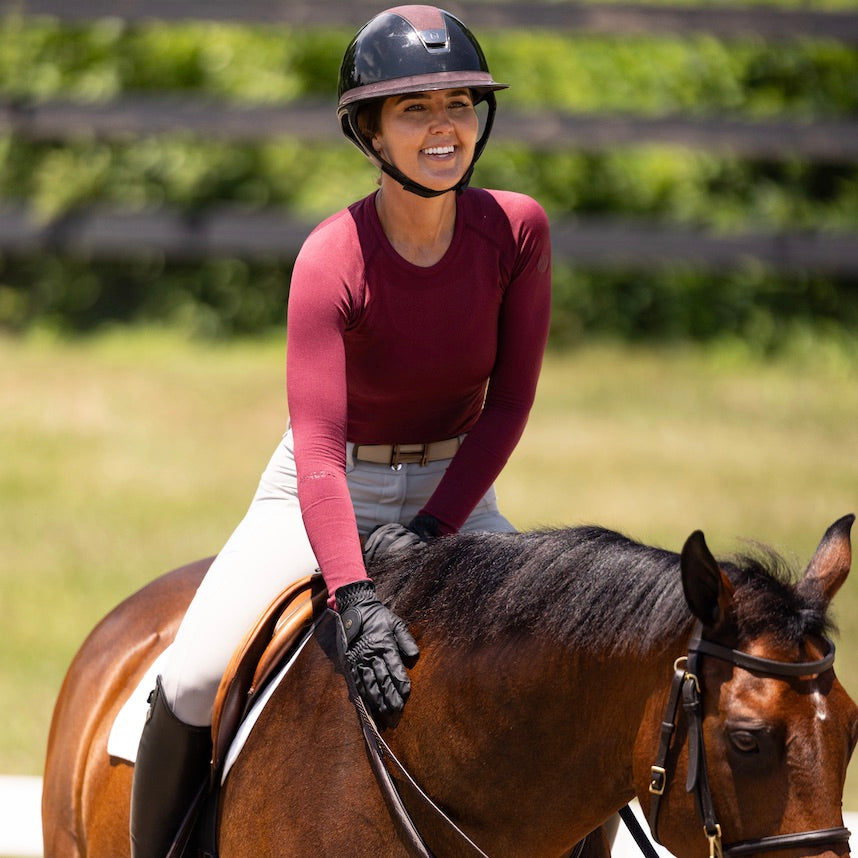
(172, 765)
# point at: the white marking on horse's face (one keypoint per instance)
(821, 705)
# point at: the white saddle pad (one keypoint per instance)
(124, 738)
(125, 733)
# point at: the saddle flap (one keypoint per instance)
(264, 647)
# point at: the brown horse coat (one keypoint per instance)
(535, 712)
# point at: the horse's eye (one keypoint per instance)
(744, 742)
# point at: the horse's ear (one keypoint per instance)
(707, 589)
(830, 565)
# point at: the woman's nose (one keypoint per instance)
(440, 121)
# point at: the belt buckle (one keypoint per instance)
(418, 455)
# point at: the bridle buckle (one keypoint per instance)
(657, 780)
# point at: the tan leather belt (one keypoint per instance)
(406, 454)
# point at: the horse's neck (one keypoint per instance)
(533, 717)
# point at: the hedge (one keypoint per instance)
(807, 78)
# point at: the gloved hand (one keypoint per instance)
(376, 643)
(397, 537)
(425, 526)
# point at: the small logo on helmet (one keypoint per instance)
(434, 37)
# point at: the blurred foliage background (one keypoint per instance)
(808, 79)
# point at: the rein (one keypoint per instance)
(686, 685)
(380, 756)
(379, 751)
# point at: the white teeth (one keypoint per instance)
(439, 150)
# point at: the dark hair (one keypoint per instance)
(369, 118)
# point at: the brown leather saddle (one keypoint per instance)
(264, 649)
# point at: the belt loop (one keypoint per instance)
(350, 454)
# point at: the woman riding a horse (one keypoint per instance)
(417, 321)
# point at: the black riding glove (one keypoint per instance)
(387, 538)
(425, 526)
(376, 643)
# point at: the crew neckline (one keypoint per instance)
(391, 251)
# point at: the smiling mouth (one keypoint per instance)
(439, 150)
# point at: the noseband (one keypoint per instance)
(686, 684)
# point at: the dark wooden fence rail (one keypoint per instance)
(110, 233)
(620, 18)
(115, 233)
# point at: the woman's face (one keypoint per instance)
(429, 136)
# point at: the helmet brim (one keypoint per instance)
(481, 82)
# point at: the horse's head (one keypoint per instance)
(764, 730)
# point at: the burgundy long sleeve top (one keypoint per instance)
(381, 351)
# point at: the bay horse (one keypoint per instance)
(562, 674)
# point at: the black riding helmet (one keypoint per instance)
(413, 49)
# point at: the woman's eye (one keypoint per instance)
(744, 742)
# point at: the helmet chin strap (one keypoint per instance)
(416, 187)
(409, 184)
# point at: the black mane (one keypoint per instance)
(585, 587)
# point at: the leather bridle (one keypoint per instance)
(686, 685)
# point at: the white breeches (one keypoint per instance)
(269, 550)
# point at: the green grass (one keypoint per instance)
(128, 454)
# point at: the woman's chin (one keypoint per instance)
(436, 177)
(440, 180)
